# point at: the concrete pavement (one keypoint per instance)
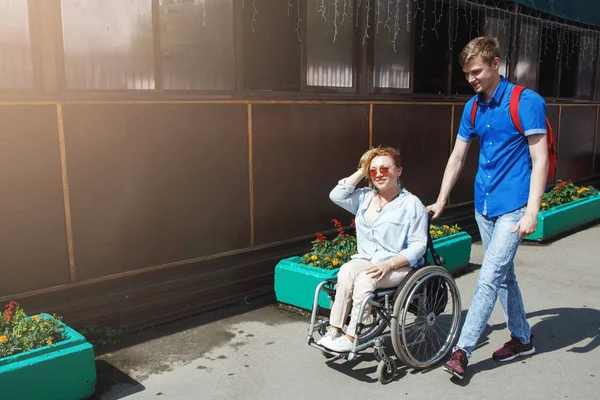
(261, 353)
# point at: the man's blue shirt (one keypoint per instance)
(504, 174)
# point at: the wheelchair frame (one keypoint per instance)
(389, 308)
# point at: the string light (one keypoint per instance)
(366, 35)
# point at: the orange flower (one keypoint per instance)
(3, 339)
(35, 317)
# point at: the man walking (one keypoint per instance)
(509, 185)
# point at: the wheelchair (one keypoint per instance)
(423, 316)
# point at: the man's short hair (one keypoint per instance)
(486, 47)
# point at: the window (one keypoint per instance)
(431, 44)
(526, 70)
(15, 49)
(108, 44)
(585, 68)
(498, 24)
(272, 46)
(196, 42)
(549, 62)
(468, 23)
(330, 31)
(392, 45)
(570, 57)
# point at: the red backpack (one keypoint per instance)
(514, 115)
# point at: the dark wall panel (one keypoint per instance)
(576, 142)
(155, 183)
(33, 245)
(597, 150)
(463, 189)
(300, 152)
(422, 133)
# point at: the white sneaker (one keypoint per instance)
(330, 336)
(341, 345)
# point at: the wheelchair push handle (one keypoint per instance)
(437, 260)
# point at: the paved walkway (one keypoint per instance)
(261, 353)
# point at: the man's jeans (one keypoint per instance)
(496, 278)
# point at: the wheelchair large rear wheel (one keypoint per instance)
(426, 317)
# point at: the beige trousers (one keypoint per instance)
(353, 286)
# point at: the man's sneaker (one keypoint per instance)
(513, 349)
(330, 336)
(341, 345)
(457, 364)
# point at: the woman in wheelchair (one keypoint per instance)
(391, 232)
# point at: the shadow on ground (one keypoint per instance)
(108, 376)
(559, 329)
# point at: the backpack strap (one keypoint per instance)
(474, 112)
(514, 107)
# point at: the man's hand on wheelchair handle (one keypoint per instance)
(437, 209)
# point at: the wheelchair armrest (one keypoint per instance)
(329, 287)
(332, 281)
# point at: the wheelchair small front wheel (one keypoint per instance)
(386, 370)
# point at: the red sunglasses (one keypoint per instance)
(383, 170)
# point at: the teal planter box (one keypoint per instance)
(454, 249)
(566, 217)
(295, 283)
(62, 371)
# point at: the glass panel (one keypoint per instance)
(497, 24)
(272, 45)
(587, 59)
(330, 46)
(468, 27)
(197, 44)
(392, 45)
(431, 44)
(15, 48)
(108, 44)
(529, 50)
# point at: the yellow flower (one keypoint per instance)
(446, 227)
(339, 254)
(3, 339)
(46, 324)
(49, 341)
(314, 257)
(35, 317)
(335, 262)
(432, 232)
(453, 230)
(440, 232)
(543, 204)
